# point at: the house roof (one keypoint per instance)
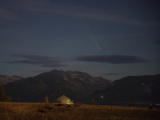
(63, 97)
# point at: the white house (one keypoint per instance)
(64, 100)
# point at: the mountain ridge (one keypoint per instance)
(82, 87)
(54, 83)
(5, 79)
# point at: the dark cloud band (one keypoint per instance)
(111, 73)
(44, 61)
(114, 59)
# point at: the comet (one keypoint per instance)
(98, 46)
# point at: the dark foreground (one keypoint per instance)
(41, 111)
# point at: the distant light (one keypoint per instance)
(102, 97)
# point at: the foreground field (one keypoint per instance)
(41, 111)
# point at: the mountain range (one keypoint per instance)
(78, 85)
(5, 79)
(82, 87)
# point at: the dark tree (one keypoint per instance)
(3, 97)
(46, 99)
(93, 102)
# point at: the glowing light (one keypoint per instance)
(102, 97)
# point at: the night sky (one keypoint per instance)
(107, 38)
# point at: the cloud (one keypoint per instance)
(111, 73)
(37, 6)
(95, 14)
(43, 61)
(46, 61)
(113, 59)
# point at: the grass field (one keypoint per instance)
(42, 111)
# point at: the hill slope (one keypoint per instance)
(131, 89)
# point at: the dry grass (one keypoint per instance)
(41, 111)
